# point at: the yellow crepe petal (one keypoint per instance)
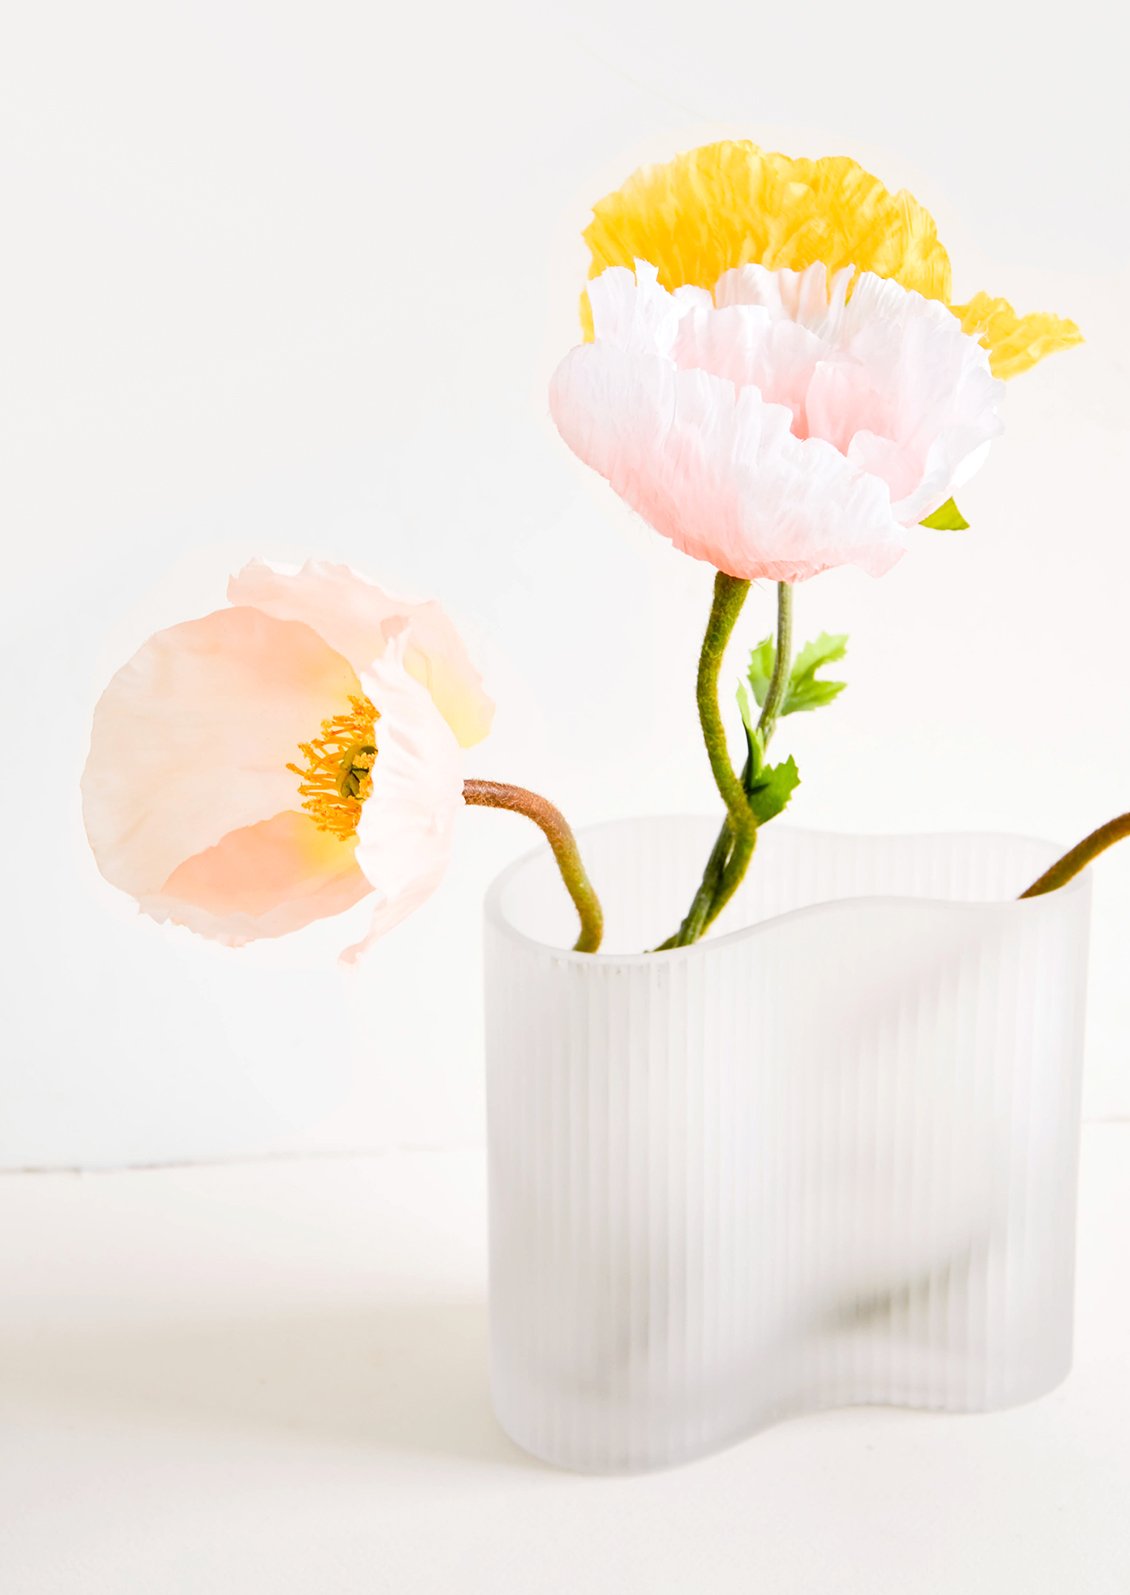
(731, 203)
(1015, 343)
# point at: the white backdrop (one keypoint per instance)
(283, 278)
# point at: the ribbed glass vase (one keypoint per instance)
(827, 1156)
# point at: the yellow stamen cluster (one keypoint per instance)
(337, 778)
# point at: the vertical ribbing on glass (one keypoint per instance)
(826, 1157)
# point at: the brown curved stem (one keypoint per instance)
(1079, 857)
(551, 821)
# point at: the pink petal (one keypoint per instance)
(192, 738)
(782, 427)
(941, 400)
(263, 880)
(359, 620)
(718, 471)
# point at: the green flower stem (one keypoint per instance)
(1079, 857)
(782, 663)
(497, 795)
(716, 886)
(727, 865)
(695, 922)
(766, 725)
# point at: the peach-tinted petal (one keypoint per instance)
(192, 738)
(405, 834)
(263, 880)
(360, 620)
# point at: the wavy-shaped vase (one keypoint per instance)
(826, 1157)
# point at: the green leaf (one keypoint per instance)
(826, 650)
(948, 519)
(761, 669)
(814, 695)
(753, 741)
(805, 690)
(770, 792)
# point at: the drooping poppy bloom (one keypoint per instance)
(732, 204)
(275, 762)
(777, 423)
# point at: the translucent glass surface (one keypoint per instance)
(826, 1157)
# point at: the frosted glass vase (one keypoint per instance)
(826, 1157)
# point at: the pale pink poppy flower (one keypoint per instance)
(781, 425)
(275, 762)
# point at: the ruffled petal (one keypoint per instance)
(632, 312)
(1015, 343)
(192, 738)
(914, 389)
(813, 298)
(718, 471)
(405, 834)
(263, 880)
(731, 203)
(360, 620)
(786, 429)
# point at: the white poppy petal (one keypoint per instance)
(406, 828)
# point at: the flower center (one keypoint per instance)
(337, 778)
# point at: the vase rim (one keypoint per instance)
(496, 917)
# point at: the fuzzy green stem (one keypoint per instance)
(766, 725)
(727, 864)
(1080, 856)
(782, 664)
(710, 898)
(729, 596)
(498, 795)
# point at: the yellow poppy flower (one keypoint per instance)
(732, 204)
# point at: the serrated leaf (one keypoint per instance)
(760, 671)
(825, 650)
(770, 792)
(947, 519)
(812, 695)
(805, 690)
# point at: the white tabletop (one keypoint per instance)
(265, 1378)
